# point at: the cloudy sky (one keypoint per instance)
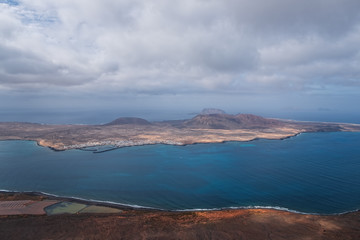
(255, 56)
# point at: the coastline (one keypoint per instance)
(254, 224)
(114, 147)
(123, 206)
(129, 202)
(84, 147)
(141, 222)
(200, 129)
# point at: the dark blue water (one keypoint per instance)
(313, 173)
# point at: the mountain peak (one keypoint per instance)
(227, 121)
(128, 120)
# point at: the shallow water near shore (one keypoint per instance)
(311, 173)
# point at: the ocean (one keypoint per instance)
(310, 173)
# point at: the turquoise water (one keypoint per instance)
(312, 173)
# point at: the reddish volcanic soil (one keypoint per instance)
(138, 224)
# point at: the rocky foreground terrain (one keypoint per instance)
(252, 224)
(129, 131)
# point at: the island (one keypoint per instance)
(26, 215)
(209, 126)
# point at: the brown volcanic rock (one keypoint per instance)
(128, 120)
(226, 121)
(253, 120)
(249, 224)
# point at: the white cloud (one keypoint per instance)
(180, 46)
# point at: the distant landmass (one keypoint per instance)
(210, 126)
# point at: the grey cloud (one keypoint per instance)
(19, 67)
(13, 61)
(291, 17)
(180, 46)
(224, 58)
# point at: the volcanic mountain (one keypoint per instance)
(227, 121)
(128, 120)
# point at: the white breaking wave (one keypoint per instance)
(176, 210)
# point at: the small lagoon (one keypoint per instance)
(311, 173)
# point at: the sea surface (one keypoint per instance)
(310, 173)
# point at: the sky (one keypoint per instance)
(285, 58)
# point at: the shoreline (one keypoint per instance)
(254, 224)
(147, 143)
(139, 207)
(200, 129)
(114, 147)
(135, 207)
